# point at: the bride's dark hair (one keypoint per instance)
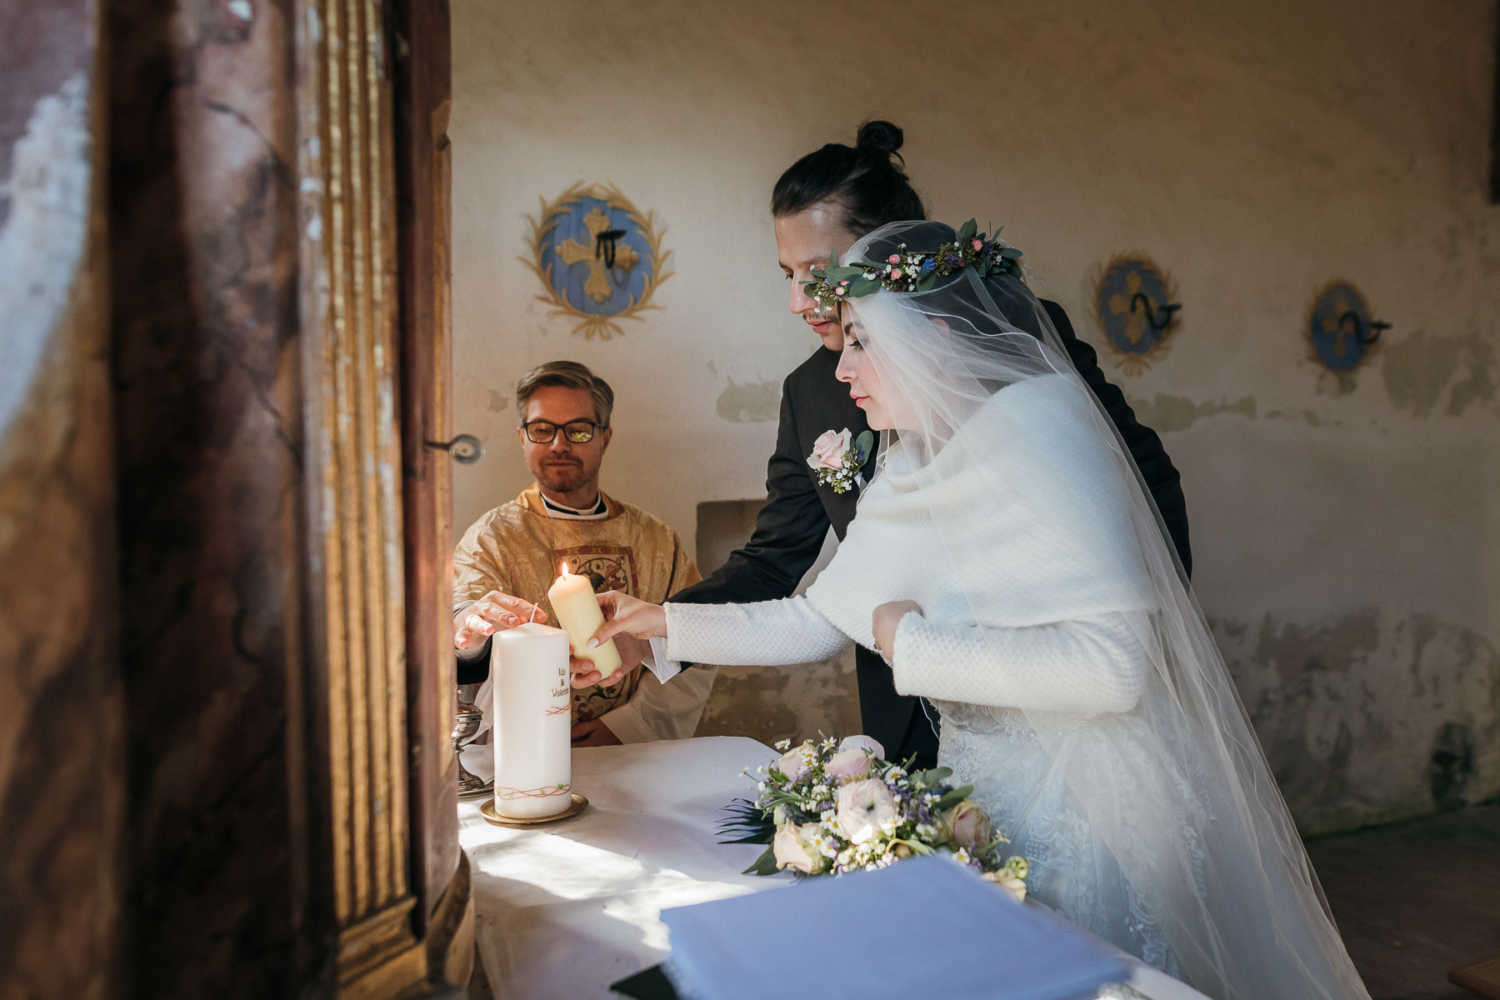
(865, 181)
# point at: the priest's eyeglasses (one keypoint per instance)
(575, 432)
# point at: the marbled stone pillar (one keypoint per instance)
(207, 352)
(61, 710)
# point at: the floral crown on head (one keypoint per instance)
(913, 271)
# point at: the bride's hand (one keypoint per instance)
(625, 615)
(883, 624)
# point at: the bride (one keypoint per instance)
(1009, 565)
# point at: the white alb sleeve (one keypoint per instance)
(660, 711)
(765, 633)
(1094, 664)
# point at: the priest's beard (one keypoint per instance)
(564, 477)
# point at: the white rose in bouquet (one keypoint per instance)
(1012, 877)
(864, 807)
(794, 848)
(868, 744)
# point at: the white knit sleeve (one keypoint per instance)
(1094, 664)
(766, 632)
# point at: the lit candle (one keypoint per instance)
(532, 724)
(572, 598)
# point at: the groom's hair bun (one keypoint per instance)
(867, 181)
(880, 137)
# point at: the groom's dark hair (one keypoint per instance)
(865, 181)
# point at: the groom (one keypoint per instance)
(824, 203)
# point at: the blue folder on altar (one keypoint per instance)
(924, 927)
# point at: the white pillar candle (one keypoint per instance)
(532, 726)
(572, 598)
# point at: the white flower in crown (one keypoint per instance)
(837, 458)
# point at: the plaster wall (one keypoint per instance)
(1345, 545)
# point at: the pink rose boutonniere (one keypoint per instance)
(836, 460)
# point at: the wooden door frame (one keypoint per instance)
(373, 231)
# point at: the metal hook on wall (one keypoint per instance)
(604, 245)
(466, 449)
(1165, 313)
(1363, 332)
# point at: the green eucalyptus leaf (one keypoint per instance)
(968, 230)
(864, 445)
(934, 777)
(1010, 252)
(833, 258)
(764, 865)
(845, 273)
(926, 281)
(863, 287)
(954, 797)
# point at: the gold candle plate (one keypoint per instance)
(492, 815)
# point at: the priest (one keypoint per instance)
(510, 556)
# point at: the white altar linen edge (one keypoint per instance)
(564, 909)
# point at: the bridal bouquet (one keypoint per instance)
(834, 807)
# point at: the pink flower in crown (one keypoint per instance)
(894, 258)
(829, 450)
(978, 244)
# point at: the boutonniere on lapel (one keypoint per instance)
(836, 461)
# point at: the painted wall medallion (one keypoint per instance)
(1136, 309)
(1341, 328)
(600, 259)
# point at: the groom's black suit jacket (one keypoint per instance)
(790, 528)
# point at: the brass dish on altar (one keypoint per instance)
(492, 815)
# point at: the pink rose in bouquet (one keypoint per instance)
(864, 807)
(829, 450)
(796, 760)
(970, 825)
(794, 848)
(846, 765)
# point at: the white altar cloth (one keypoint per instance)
(564, 909)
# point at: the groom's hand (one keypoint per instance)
(492, 613)
(884, 621)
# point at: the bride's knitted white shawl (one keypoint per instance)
(1023, 515)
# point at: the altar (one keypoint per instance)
(565, 909)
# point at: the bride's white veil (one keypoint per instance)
(1194, 820)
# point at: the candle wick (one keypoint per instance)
(533, 615)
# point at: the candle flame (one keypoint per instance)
(563, 568)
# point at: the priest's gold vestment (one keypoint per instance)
(517, 549)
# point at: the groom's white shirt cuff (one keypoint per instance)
(659, 663)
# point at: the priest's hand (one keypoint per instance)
(594, 733)
(884, 621)
(583, 673)
(492, 613)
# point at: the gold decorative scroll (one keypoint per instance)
(353, 476)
